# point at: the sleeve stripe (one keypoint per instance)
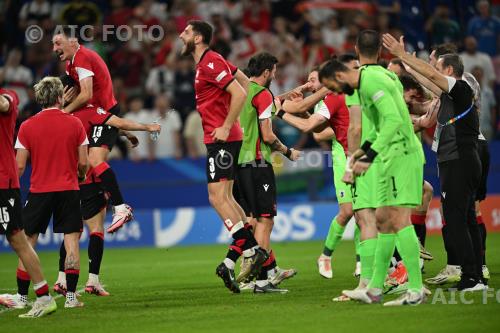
(322, 110)
(83, 73)
(85, 142)
(19, 145)
(267, 113)
(228, 83)
(379, 94)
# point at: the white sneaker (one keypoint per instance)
(281, 275)
(409, 298)
(120, 217)
(357, 270)
(449, 274)
(362, 295)
(15, 301)
(73, 303)
(42, 307)
(477, 287)
(325, 266)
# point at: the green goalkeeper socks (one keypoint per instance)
(357, 238)
(333, 238)
(367, 255)
(385, 248)
(409, 249)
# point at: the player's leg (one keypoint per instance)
(484, 156)
(95, 227)
(339, 222)
(60, 285)
(357, 240)
(72, 268)
(44, 303)
(122, 212)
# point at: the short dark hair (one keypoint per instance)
(369, 43)
(445, 48)
(409, 82)
(260, 62)
(328, 69)
(202, 28)
(347, 58)
(455, 62)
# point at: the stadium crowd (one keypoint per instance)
(150, 78)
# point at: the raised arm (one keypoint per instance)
(420, 66)
(301, 106)
(4, 104)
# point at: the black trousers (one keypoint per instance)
(459, 181)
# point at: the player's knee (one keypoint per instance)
(216, 198)
(17, 241)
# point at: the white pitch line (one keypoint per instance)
(55, 297)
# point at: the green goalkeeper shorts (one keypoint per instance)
(364, 190)
(400, 181)
(342, 190)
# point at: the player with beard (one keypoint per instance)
(399, 182)
(94, 87)
(219, 100)
(255, 177)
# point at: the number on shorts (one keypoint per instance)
(97, 132)
(211, 164)
(4, 215)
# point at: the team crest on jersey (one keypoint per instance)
(210, 65)
(11, 201)
(101, 111)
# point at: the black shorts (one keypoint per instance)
(93, 200)
(484, 156)
(222, 161)
(105, 136)
(64, 206)
(255, 189)
(10, 211)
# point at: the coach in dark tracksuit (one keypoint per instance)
(456, 142)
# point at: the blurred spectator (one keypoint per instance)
(169, 142)
(128, 62)
(392, 8)
(120, 94)
(487, 115)
(485, 28)
(471, 58)
(150, 12)
(183, 86)
(193, 136)
(256, 15)
(222, 31)
(333, 33)
(185, 13)
(30, 108)
(39, 12)
(80, 13)
(137, 113)
(120, 14)
(441, 27)
(316, 51)
(160, 80)
(15, 76)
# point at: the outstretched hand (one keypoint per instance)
(397, 48)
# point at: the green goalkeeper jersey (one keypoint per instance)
(383, 105)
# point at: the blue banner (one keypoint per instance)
(201, 225)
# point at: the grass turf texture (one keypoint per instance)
(160, 290)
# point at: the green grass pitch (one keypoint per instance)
(176, 290)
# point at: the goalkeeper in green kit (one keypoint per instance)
(393, 144)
